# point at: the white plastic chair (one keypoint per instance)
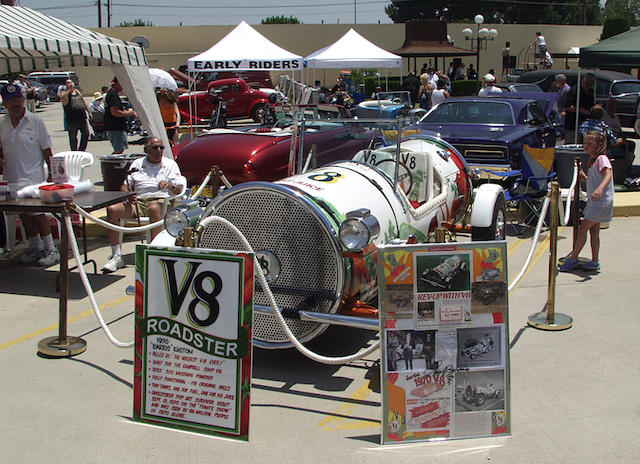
(144, 220)
(75, 162)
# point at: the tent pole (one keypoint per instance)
(575, 134)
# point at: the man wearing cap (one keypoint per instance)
(25, 145)
(587, 100)
(115, 122)
(489, 87)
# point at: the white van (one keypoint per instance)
(52, 80)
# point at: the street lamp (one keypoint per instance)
(479, 41)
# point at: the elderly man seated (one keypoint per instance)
(153, 178)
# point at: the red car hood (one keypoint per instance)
(229, 150)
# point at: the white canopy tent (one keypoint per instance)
(245, 49)
(31, 41)
(353, 50)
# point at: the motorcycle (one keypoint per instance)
(268, 117)
(219, 114)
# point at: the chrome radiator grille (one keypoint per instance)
(484, 153)
(277, 222)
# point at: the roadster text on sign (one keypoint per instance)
(193, 339)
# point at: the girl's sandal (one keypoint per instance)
(568, 265)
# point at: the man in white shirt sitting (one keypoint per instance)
(489, 87)
(153, 178)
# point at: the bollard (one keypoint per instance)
(549, 319)
(575, 206)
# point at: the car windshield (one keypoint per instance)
(625, 87)
(470, 112)
(316, 116)
(398, 98)
(53, 80)
(525, 88)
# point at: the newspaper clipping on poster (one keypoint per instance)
(444, 322)
(193, 346)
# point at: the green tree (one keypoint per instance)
(280, 20)
(529, 12)
(629, 9)
(137, 22)
(614, 26)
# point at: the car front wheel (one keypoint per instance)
(496, 231)
(257, 113)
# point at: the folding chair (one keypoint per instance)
(144, 220)
(531, 184)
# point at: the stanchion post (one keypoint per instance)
(575, 206)
(549, 319)
(63, 345)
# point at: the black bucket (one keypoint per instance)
(115, 168)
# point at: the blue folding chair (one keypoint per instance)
(530, 184)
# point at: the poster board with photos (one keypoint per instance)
(192, 368)
(444, 324)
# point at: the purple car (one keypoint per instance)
(491, 131)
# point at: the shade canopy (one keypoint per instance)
(244, 49)
(621, 50)
(33, 41)
(353, 51)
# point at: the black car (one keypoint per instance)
(609, 84)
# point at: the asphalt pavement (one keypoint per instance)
(573, 393)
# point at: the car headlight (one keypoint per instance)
(358, 230)
(179, 218)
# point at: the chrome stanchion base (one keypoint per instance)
(560, 321)
(53, 346)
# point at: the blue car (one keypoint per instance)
(388, 105)
(490, 132)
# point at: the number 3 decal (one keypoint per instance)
(327, 176)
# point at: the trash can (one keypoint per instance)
(115, 168)
(564, 162)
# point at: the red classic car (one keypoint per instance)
(263, 153)
(242, 101)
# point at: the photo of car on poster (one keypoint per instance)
(479, 391)
(480, 347)
(488, 296)
(443, 288)
(399, 301)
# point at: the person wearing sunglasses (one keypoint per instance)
(153, 178)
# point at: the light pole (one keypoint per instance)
(482, 36)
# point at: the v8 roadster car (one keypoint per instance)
(264, 153)
(491, 131)
(316, 234)
(242, 101)
(443, 274)
(478, 394)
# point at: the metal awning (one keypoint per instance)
(31, 40)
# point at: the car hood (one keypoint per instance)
(474, 132)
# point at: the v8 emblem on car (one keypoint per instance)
(269, 263)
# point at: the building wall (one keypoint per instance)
(172, 46)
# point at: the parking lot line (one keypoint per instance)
(337, 421)
(51, 327)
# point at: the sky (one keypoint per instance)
(213, 12)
